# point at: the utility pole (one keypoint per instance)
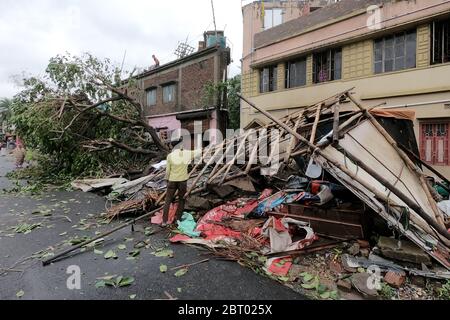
(214, 18)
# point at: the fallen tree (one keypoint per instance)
(84, 119)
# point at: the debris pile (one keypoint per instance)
(344, 174)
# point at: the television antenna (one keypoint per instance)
(184, 49)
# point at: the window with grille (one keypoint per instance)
(268, 79)
(169, 93)
(327, 65)
(440, 39)
(396, 52)
(151, 97)
(434, 143)
(296, 73)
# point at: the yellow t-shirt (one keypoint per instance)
(177, 164)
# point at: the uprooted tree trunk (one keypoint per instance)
(136, 123)
(80, 113)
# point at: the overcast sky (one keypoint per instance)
(32, 31)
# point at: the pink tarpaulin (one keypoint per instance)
(237, 208)
(157, 218)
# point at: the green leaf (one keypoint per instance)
(149, 231)
(181, 273)
(99, 252)
(20, 294)
(164, 253)
(110, 254)
(284, 279)
(135, 253)
(122, 247)
(307, 277)
(321, 289)
(124, 281)
(133, 296)
(313, 285)
(334, 295)
(163, 268)
(100, 284)
(326, 295)
(262, 259)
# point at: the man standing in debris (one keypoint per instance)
(177, 175)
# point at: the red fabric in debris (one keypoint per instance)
(237, 208)
(179, 238)
(316, 186)
(278, 226)
(282, 270)
(157, 218)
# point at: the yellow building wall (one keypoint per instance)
(357, 60)
(423, 46)
(281, 76)
(309, 70)
(250, 83)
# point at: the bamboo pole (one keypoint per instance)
(210, 161)
(426, 217)
(216, 171)
(316, 124)
(85, 243)
(438, 215)
(426, 165)
(336, 124)
(238, 152)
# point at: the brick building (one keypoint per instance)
(175, 95)
(391, 51)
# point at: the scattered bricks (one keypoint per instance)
(363, 244)
(344, 285)
(395, 279)
(360, 282)
(407, 251)
(336, 267)
(354, 249)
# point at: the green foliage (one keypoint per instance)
(311, 282)
(232, 87)
(42, 118)
(387, 292)
(234, 102)
(5, 109)
(444, 292)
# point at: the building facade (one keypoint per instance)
(175, 95)
(390, 51)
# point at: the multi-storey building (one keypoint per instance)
(392, 51)
(175, 95)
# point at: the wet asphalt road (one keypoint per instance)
(61, 215)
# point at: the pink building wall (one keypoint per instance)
(169, 122)
(172, 123)
(392, 14)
